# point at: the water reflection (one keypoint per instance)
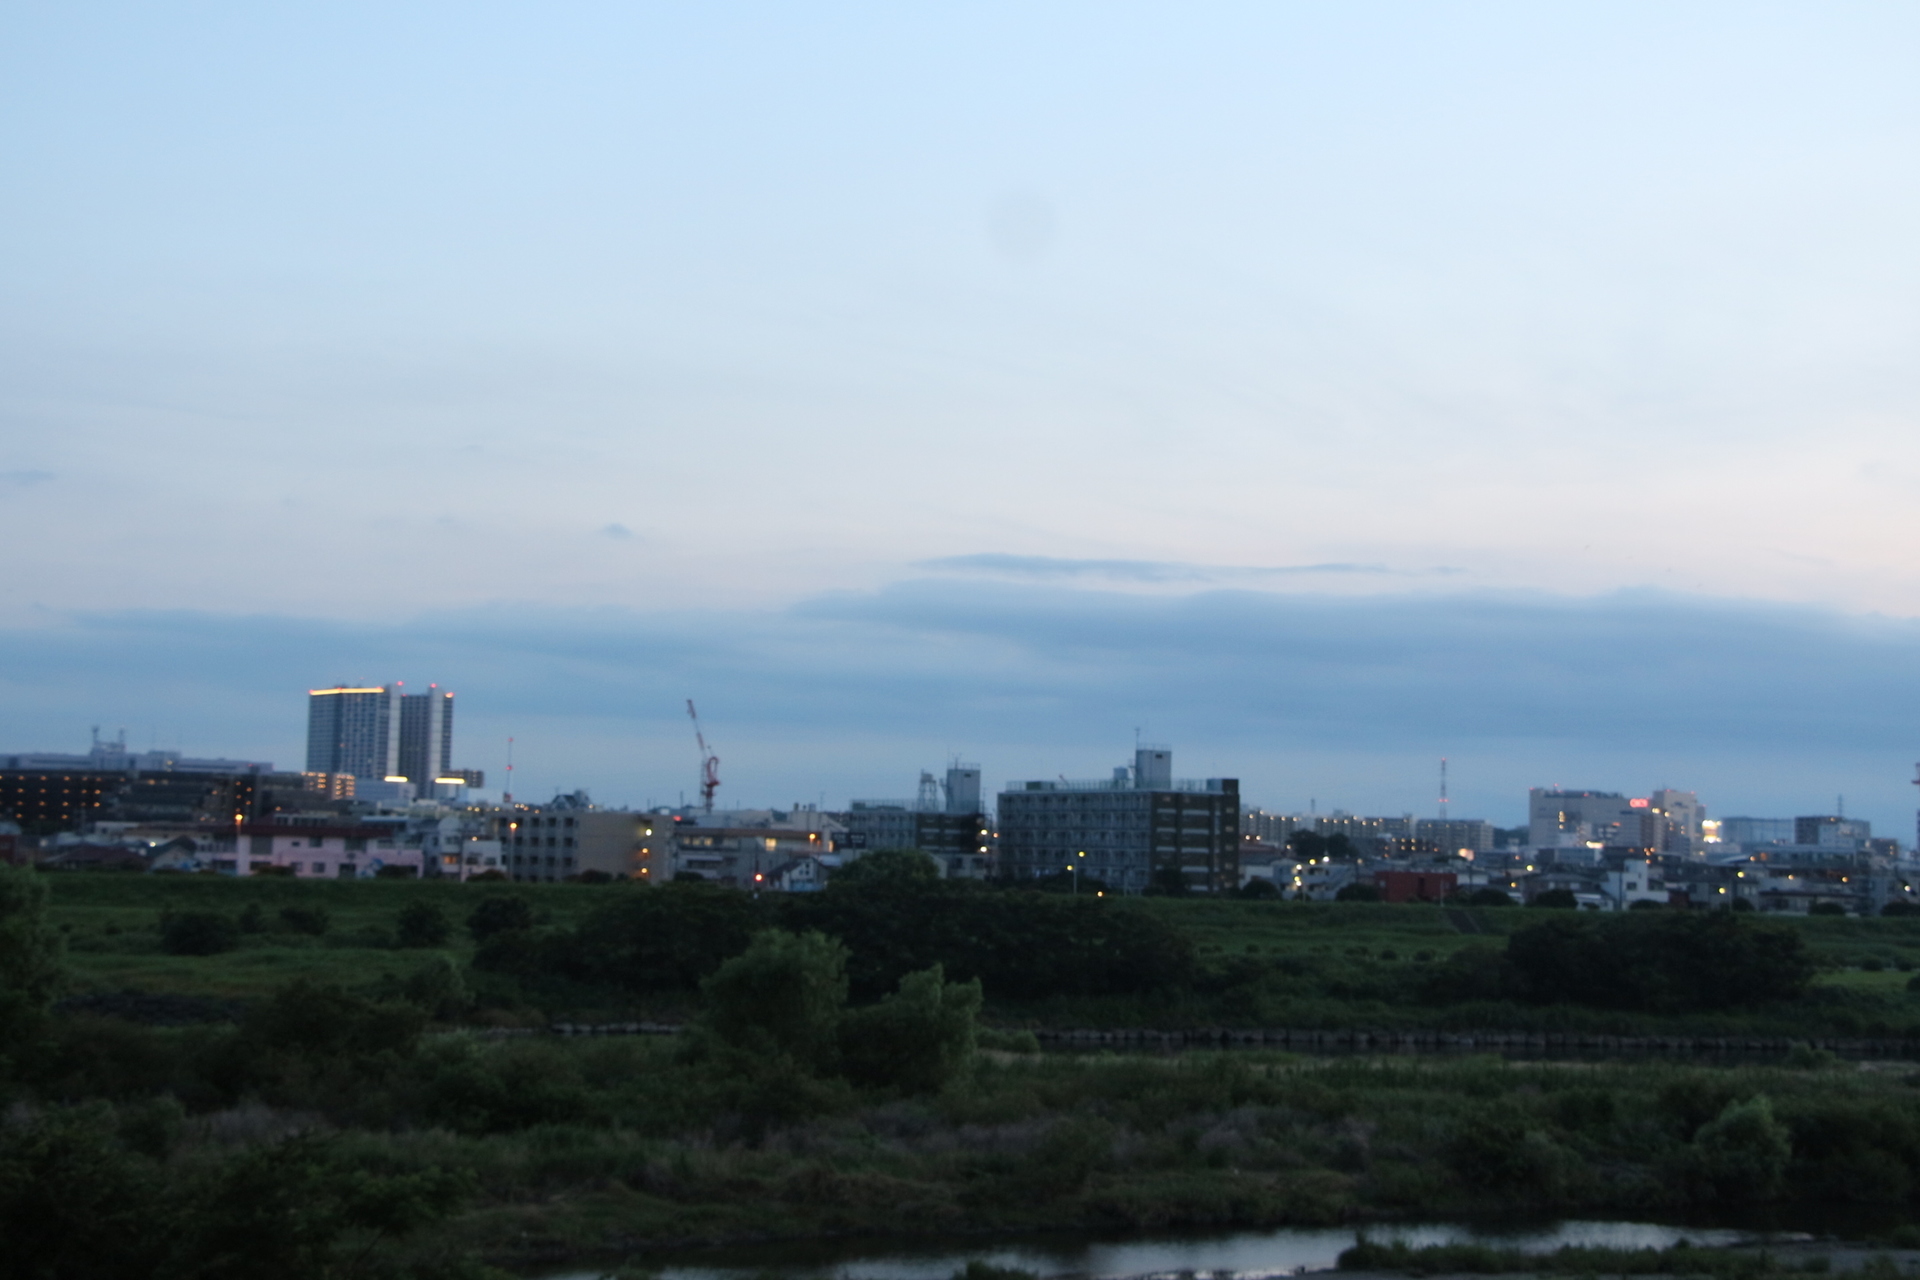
(1247, 1255)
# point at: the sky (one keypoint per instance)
(1320, 389)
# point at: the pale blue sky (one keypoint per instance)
(323, 329)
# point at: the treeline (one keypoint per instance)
(1108, 956)
(893, 920)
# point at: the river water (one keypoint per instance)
(1245, 1255)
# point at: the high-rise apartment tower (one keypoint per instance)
(354, 731)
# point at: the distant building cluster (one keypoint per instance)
(380, 796)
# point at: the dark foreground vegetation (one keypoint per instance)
(349, 1081)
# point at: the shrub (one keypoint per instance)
(312, 921)
(1006, 1041)
(1743, 1152)
(198, 933)
(395, 871)
(1826, 909)
(1489, 897)
(1358, 892)
(1556, 899)
(422, 924)
(325, 1021)
(437, 989)
(917, 1040)
(497, 915)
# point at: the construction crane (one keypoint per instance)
(709, 762)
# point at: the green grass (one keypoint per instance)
(111, 927)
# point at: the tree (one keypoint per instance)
(30, 955)
(908, 866)
(422, 924)
(1168, 882)
(1358, 892)
(497, 915)
(1657, 961)
(918, 1039)
(1259, 887)
(1556, 899)
(1489, 897)
(1307, 845)
(780, 998)
(664, 938)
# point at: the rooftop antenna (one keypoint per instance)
(506, 796)
(1840, 806)
(1443, 788)
(709, 762)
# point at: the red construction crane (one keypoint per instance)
(709, 762)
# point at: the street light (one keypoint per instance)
(1074, 867)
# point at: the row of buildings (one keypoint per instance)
(379, 796)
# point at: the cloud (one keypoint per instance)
(24, 479)
(617, 531)
(1150, 571)
(1764, 708)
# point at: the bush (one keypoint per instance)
(1358, 892)
(1006, 1041)
(918, 1040)
(422, 924)
(312, 921)
(1826, 909)
(324, 1021)
(437, 990)
(1489, 897)
(497, 915)
(1743, 1152)
(1556, 899)
(198, 933)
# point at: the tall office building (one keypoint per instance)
(426, 738)
(354, 731)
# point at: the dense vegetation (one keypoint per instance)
(334, 1051)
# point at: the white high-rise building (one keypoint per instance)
(426, 738)
(354, 731)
